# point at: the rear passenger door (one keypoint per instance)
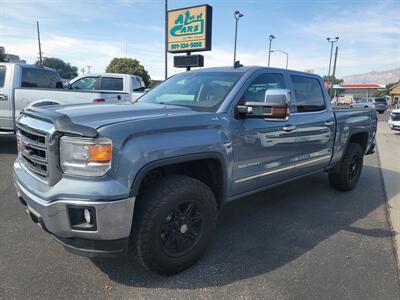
(113, 87)
(315, 124)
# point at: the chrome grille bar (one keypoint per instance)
(33, 150)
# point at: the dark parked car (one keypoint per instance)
(380, 104)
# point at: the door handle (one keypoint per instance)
(119, 97)
(329, 123)
(289, 128)
(3, 97)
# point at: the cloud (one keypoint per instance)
(369, 35)
(82, 33)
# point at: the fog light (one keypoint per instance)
(82, 218)
(88, 218)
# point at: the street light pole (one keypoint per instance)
(334, 70)
(237, 15)
(287, 56)
(271, 37)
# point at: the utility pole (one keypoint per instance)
(83, 70)
(40, 47)
(166, 41)
(271, 37)
(334, 70)
(332, 41)
(88, 68)
(126, 50)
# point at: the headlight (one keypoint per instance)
(84, 156)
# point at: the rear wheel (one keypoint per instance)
(346, 175)
(174, 223)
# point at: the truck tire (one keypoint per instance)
(346, 176)
(173, 224)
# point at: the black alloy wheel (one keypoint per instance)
(173, 224)
(354, 168)
(182, 229)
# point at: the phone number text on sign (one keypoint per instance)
(188, 46)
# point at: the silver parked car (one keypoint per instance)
(362, 103)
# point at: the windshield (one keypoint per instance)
(203, 91)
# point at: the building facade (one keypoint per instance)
(394, 94)
(357, 90)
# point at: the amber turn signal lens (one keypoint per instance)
(100, 153)
(278, 111)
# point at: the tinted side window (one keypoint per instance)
(256, 90)
(2, 75)
(86, 83)
(308, 92)
(40, 78)
(111, 84)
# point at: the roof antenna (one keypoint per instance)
(237, 64)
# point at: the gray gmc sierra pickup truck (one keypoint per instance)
(152, 176)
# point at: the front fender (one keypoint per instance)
(141, 150)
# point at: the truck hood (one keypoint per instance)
(98, 115)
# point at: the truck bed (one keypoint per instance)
(350, 121)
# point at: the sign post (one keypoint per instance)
(189, 30)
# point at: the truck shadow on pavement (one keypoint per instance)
(266, 231)
(8, 144)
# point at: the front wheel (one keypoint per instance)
(346, 175)
(173, 224)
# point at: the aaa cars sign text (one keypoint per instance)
(189, 29)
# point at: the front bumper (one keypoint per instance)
(394, 125)
(113, 220)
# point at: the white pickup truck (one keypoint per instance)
(23, 85)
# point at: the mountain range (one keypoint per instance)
(382, 77)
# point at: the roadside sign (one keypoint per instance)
(188, 61)
(189, 29)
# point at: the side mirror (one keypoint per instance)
(67, 85)
(275, 106)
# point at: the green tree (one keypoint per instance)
(380, 93)
(335, 80)
(129, 66)
(65, 70)
(385, 92)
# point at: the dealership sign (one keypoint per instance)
(189, 29)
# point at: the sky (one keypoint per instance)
(91, 32)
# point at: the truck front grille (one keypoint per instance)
(33, 149)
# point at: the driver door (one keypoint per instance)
(263, 150)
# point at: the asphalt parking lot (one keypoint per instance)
(304, 241)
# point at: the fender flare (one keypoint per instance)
(43, 102)
(176, 160)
